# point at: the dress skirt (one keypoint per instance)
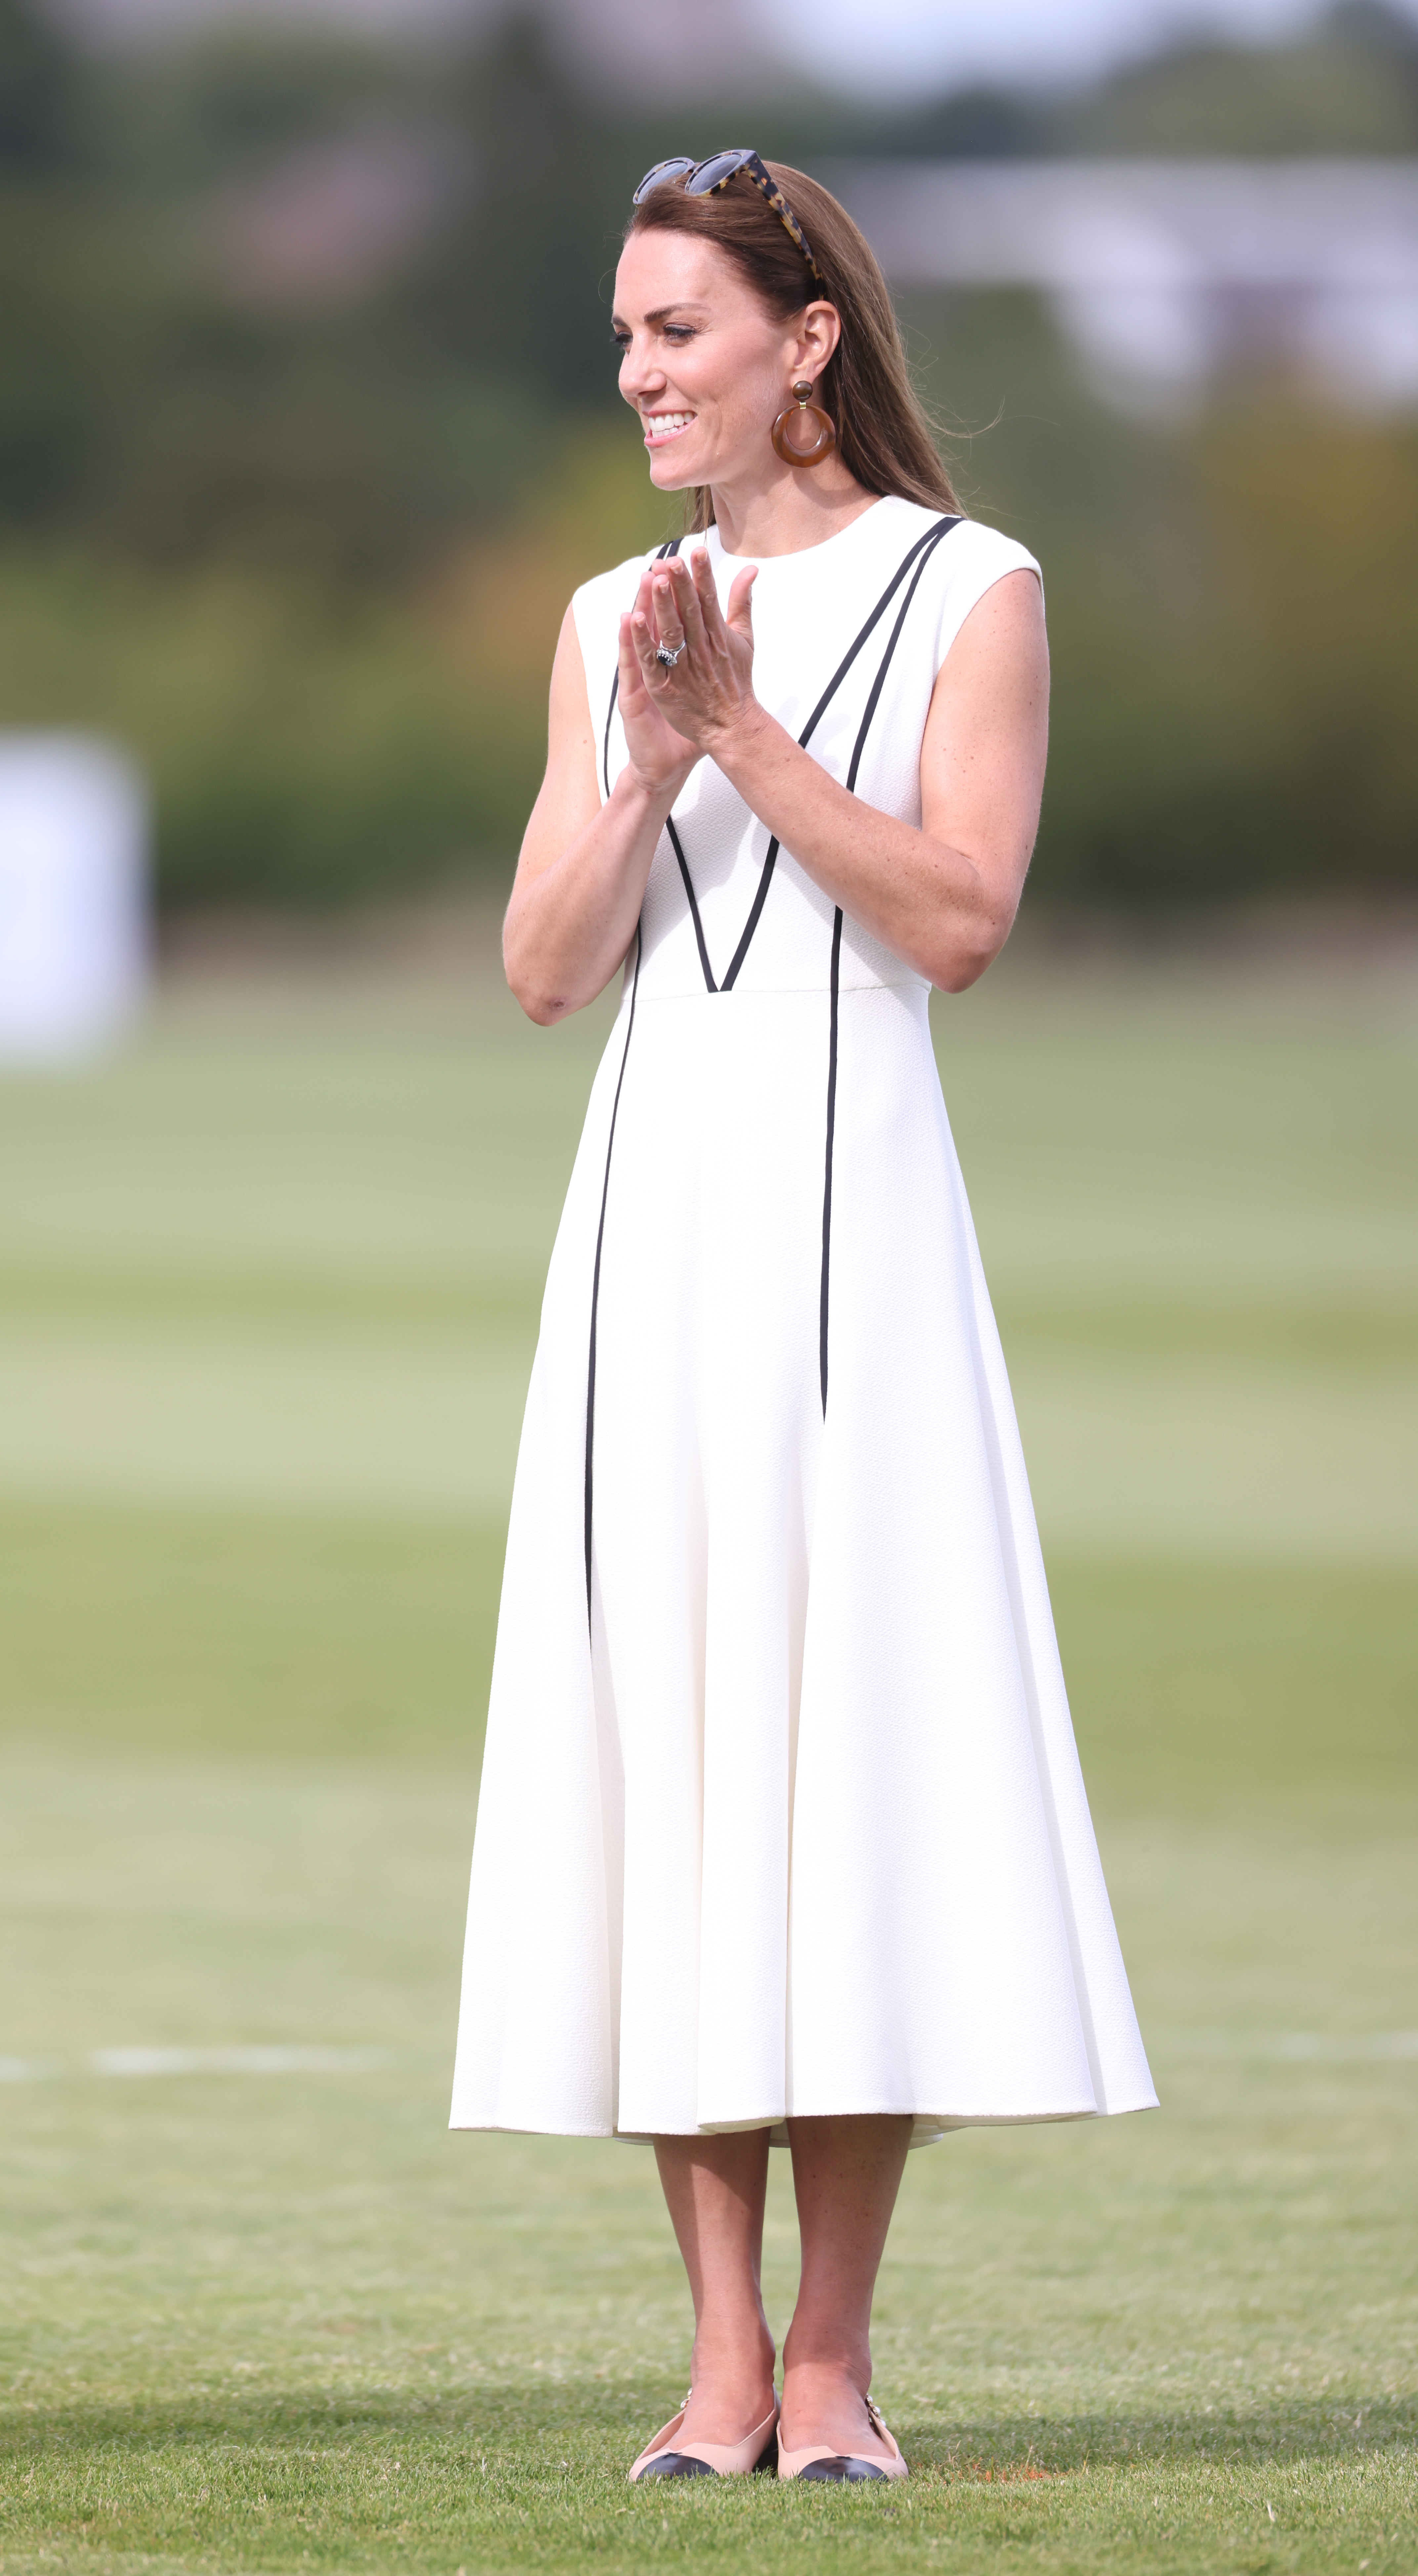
(782, 1814)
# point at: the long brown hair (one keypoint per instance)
(883, 432)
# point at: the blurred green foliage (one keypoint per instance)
(305, 545)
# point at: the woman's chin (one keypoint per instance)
(670, 473)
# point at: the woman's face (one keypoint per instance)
(704, 363)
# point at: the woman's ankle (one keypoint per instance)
(746, 2357)
(732, 2381)
(825, 2403)
(833, 2356)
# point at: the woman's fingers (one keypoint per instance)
(639, 643)
(654, 679)
(669, 608)
(701, 573)
(632, 678)
(643, 640)
(677, 608)
(741, 604)
(644, 608)
(690, 608)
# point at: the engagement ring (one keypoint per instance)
(668, 655)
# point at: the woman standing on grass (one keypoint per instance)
(782, 1832)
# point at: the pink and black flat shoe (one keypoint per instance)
(820, 2465)
(662, 2459)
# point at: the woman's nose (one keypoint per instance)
(639, 374)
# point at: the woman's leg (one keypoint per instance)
(715, 2190)
(846, 2174)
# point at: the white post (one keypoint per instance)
(73, 895)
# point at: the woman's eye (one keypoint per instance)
(678, 331)
(620, 340)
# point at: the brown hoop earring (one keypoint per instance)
(824, 436)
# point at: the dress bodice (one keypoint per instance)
(808, 610)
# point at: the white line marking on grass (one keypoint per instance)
(1296, 2047)
(235, 2061)
(1304, 2044)
(260, 2060)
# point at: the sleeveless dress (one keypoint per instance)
(780, 1810)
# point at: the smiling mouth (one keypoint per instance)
(662, 425)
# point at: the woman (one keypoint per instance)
(782, 1831)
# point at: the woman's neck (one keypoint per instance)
(797, 507)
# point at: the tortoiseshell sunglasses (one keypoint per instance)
(703, 178)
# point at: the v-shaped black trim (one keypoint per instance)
(918, 555)
(922, 548)
(677, 845)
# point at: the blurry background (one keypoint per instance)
(308, 419)
(308, 426)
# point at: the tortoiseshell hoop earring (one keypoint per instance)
(795, 451)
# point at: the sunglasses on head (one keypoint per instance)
(705, 178)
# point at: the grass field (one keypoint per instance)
(268, 1290)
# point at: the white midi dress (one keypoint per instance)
(781, 1812)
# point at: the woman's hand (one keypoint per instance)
(660, 758)
(707, 697)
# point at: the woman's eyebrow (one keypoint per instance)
(662, 312)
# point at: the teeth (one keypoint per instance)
(660, 422)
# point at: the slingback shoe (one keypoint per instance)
(759, 2450)
(820, 2465)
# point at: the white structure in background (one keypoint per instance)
(73, 895)
(1165, 273)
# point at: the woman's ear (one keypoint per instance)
(818, 335)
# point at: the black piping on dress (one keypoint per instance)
(917, 556)
(671, 548)
(923, 552)
(922, 546)
(596, 1274)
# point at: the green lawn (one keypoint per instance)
(268, 1289)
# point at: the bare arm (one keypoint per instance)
(581, 875)
(943, 897)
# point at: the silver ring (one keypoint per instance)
(667, 655)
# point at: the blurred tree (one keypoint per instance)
(519, 283)
(40, 105)
(1318, 519)
(1247, 731)
(1349, 86)
(975, 124)
(306, 543)
(66, 313)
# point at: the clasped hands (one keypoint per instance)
(677, 715)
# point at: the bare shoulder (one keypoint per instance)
(987, 733)
(1000, 650)
(1009, 612)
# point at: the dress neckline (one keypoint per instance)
(719, 552)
